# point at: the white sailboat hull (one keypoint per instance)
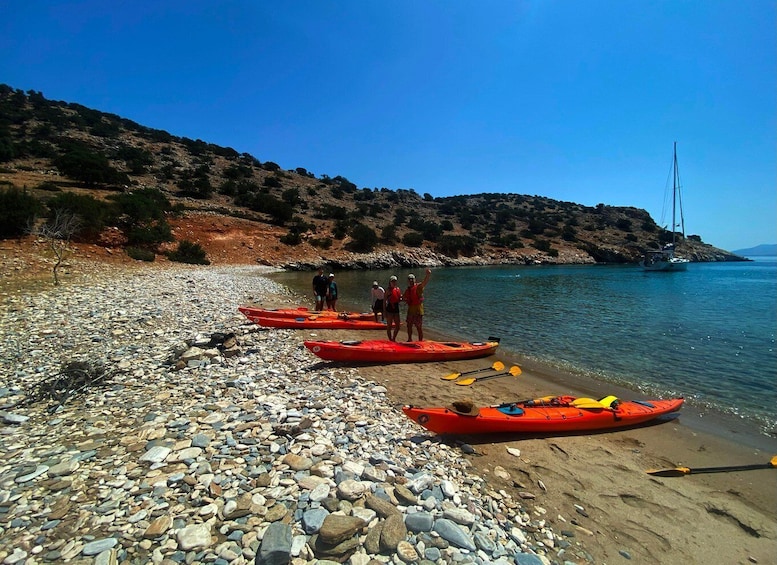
(673, 264)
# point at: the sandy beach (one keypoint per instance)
(595, 484)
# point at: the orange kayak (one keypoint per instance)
(549, 414)
(323, 323)
(301, 311)
(386, 351)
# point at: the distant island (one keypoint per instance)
(764, 250)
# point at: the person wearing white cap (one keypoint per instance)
(414, 298)
(391, 308)
(331, 293)
(378, 293)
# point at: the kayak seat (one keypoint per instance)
(452, 344)
(510, 409)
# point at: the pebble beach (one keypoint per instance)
(216, 441)
(254, 453)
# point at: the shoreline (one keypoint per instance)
(560, 381)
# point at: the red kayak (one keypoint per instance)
(386, 351)
(301, 311)
(549, 414)
(323, 323)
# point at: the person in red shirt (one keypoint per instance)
(414, 298)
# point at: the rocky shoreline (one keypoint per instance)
(422, 257)
(201, 451)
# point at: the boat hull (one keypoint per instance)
(386, 351)
(541, 419)
(665, 266)
(314, 322)
(301, 312)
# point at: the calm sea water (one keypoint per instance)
(707, 334)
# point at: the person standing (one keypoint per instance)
(378, 294)
(320, 286)
(391, 308)
(331, 293)
(414, 297)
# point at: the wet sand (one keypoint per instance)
(595, 485)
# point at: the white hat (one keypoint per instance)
(411, 276)
(331, 275)
(374, 283)
(393, 278)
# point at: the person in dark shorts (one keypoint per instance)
(320, 287)
(377, 295)
(391, 308)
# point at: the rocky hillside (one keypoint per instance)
(238, 207)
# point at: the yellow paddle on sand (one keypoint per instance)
(515, 370)
(497, 366)
(682, 471)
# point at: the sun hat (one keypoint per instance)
(411, 276)
(393, 278)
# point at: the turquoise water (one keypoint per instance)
(707, 334)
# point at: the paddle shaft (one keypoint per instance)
(730, 468)
(682, 471)
(515, 371)
(495, 367)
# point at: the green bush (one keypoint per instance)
(140, 254)
(413, 239)
(48, 186)
(322, 243)
(188, 252)
(92, 213)
(18, 210)
(364, 238)
(453, 245)
(149, 234)
(83, 164)
(291, 238)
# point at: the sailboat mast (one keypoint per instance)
(674, 192)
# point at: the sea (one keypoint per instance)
(707, 334)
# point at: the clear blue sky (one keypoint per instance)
(575, 100)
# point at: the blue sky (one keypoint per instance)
(575, 100)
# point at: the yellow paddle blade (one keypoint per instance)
(498, 366)
(515, 370)
(467, 381)
(451, 377)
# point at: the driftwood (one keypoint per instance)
(73, 379)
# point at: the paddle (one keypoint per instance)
(515, 370)
(682, 471)
(497, 366)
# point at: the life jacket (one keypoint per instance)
(413, 296)
(394, 295)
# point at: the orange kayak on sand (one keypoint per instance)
(549, 414)
(301, 311)
(386, 351)
(323, 323)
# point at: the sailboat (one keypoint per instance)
(664, 259)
